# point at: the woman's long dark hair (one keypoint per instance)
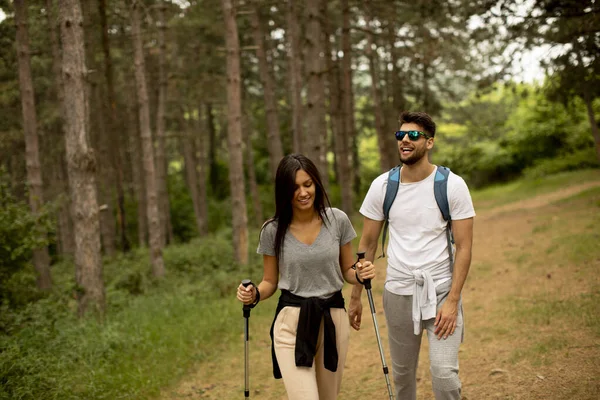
(285, 187)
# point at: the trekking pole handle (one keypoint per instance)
(361, 259)
(246, 307)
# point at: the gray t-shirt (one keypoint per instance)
(311, 271)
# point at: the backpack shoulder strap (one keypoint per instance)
(440, 190)
(390, 195)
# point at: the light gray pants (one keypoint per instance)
(405, 347)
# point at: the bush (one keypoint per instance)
(153, 331)
(582, 159)
(19, 235)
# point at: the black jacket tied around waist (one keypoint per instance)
(312, 311)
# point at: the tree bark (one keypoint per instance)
(254, 192)
(66, 244)
(316, 136)
(587, 99)
(295, 75)
(104, 175)
(201, 166)
(192, 176)
(161, 162)
(347, 96)
(388, 152)
(81, 165)
(273, 135)
(154, 227)
(41, 259)
(99, 140)
(113, 127)
(138, 181)
(336, 104)
(212, 147)
(398, 102)
(234, 135)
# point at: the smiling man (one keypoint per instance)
(424, 278)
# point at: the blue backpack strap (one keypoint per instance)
(440, 190)
(390, 195)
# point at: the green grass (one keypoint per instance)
(153, 334)
(524, 188)
(537, 353)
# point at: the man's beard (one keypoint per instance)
(416, 156)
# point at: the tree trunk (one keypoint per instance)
(347, 97)
(295, 72)
(316, 136)
(273, 135)
(398, 102)
(388, 152)
(139, 182)
(234, 135)
(104, 175)
(587, 99)
(188, 149)
(201, 166)
(254, 192)
(114, 128)
(342, 155)
(41, 259)
(154, 227)
(81, 165)
(161, 162)
(66, 244)
(98, 138)
(212, 148)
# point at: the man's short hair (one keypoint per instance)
(420, 118)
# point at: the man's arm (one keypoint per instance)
(463, 239)
(368, 243)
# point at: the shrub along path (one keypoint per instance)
(531, 302)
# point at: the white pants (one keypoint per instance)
(316, 382)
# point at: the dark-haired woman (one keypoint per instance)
(307, 254)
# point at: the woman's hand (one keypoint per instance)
(365, 270)
(246, 294)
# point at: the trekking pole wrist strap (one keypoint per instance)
(356, 273)
(257, 298)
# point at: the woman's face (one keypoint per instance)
(304, 196)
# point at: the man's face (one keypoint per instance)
(411, 152)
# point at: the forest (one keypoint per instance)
(139, 140)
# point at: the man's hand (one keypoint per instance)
(445, 321)
(355, 312)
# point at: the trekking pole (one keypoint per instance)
(367, 284)
(246, 309)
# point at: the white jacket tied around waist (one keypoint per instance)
(424, 296)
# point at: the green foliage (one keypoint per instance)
(511, 132)
(19, 235)
(154, 330)
(582, 159)
(526, 187)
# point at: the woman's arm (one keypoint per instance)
(266, 287)
(347, 260)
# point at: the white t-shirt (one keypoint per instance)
(417, 230)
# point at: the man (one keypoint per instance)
(422, 290)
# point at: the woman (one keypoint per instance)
(307, 254)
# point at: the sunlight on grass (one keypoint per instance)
(525, 188)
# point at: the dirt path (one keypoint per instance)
(492, 366)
